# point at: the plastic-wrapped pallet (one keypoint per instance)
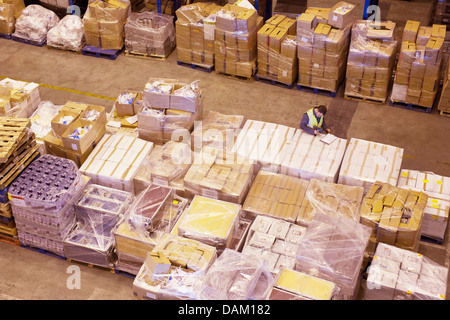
(216, 130)
(34, 23)
(68, 34)
(42, 200)
(398, 274)
(233, 276)
(219, 174)
(166, 165)
(275, 240)
(330, 199)
(444, 102)
(417, 76)
(10, 10)
(173, 269)
(275, 195)
(150, 34)
(370, 60)
(394, 214)
(333, 249)
(437, 187)
(18, 98)
(154, 212)
(365, 162)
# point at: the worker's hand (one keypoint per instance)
(328, 130)
(316, 132)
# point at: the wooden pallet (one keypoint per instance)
(273, 82)
(12, 133)
(9, 239)
(323, 92)
(43, 251)
(8, 228)
(444, 113)
(409, 106)
(61, 48)
(147, 56)
(91, 265)
(5, 210)
(28, 41)
(100, 53)
(235, 77)
(200, 67)
(365, 99)
(6, 36)
(18, 164)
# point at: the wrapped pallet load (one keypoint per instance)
(370, 61)
(444, 102)
(10, 10)
(149, 34)
(323, 41)
(418, 70)
(104, 23)
(34, 23)
(68, 34)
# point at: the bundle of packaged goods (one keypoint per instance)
(76, 130)
(235, 44)
(9, 12)
(371, 60)
(18, 150)
(168, 110)
(417, 76)
(18, 98)
(104, 23)
(275, 195)
(166, 165)
(398, 274)
(97, 212)
(262, 143)
(323, 37)
(149, 34)
(330, 199)
(437, 187)
(41, 119)
(394, 214)
(153, 213)
(277, 50)
(366, 162)
(152, 6)
(68, 34)
(213, 222)
(115, 161)
(333, 249)
(235, 276)
(216, 130)
(42, 202)
(173, 269)
(275, 240)
(194, 27)
(308, 157)
(444, 102)
(220, 175)
(34, 22)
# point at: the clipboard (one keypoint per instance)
(328, 138)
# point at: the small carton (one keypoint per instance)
(289, 47)
(410, 31)
(307, 22)
(263, 35)
(276, 37)
(157, 262)
(320, 13)
(423, 36)
(82, 144)
(438, 30)
(341, 14)
(433, 49)
(61, 121)
(290, 25)
(276, 19)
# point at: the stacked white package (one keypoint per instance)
(436, 212)
(307, 157)
(24, 97)
(366, 162)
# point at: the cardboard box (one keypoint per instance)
(423, 36)
(341, 14)
(438, 31)
(276, 37)
(433, 49)
(82, 145)
(289, 25)
(58, 127)
(276, 19)
(306, 22)
(410, 31)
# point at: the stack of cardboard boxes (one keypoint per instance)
(195, 33)
(74, 117)
(277, 50)
(149, 33)
(370, 60)
(323, 40)
(235, 41)
(104, 24)
(10, 10)
(444, 102)
(18, 98)
(418, 70)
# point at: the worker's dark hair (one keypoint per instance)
(322, 109)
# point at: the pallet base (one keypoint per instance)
(60, 48)
(40, 250)
(124, 273)
(431, 240)
(28, 41)
(147, 56)
(365, 99)
(273, 82)
(409, 106)
(100, 53)
(235, 76)
(9, 239)
(6, 36)
(444, 113)
(92, 265)
(196, 66)
(320, 91)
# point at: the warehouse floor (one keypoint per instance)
(64, 76)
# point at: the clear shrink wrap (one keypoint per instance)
(68, 34)
(333, 249)
(41, 118)
(34, 23)
(149, 33)
(398, 274)
(19, 99)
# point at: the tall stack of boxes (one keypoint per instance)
(444, 102)
(104, 24)
(235, 41)
(10, 10)
(277, 50)
(371, 60)
(418, 70)
(195, 34)
(323, 40)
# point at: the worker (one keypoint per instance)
(313, 121)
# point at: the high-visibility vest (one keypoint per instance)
(313, 120)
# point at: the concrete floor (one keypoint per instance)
(29, 275)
